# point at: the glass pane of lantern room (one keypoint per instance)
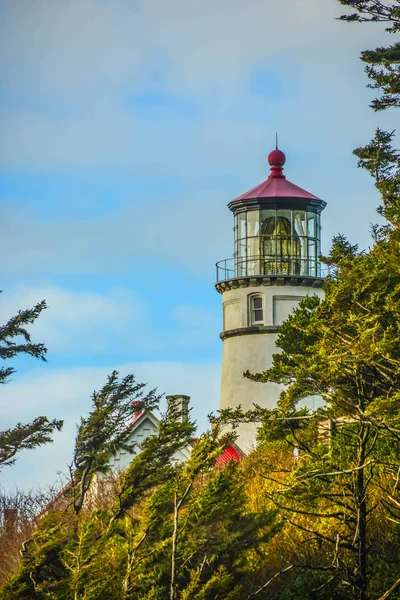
(268, 241)
(311, 224)
(253, 242)
(300, 242)
(253, 223)
(242, 225)
(235, 228)
(312, 258)
(241, 257)
(299, 223)
(241, 245)
(283, 222)
(267, 219)
(318, 245)
(283, 232)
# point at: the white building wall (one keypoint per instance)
(145, 428)
(146, 425)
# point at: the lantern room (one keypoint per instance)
(277, 229)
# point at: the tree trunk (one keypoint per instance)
(360, 590)
(174, 543)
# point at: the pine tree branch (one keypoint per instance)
(27, 436)
(324, 537)
(322, 474)
(263, 587)
(289, 568)
(390, 591)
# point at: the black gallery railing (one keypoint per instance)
(269, 265)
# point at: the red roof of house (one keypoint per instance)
(276, 186)
(137, 416)
(230, 453)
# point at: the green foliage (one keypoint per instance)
(340, 253)
(386, 78)
(379, 157)
(170, 529)
(155, 463)
(345, 349)
(196, 531)
(43, 574)
(16, 328)
(374, 11)
(105, 431)
(26, 437)
(383, 64)
(40, 430)
(382, 161)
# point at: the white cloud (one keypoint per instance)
(68, 67)
(82, 323)
(79, 45)
(66, 394)
(78, 321)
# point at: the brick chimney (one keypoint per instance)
(181, 404)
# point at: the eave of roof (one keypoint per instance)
(141, 416)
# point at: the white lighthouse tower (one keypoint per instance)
(274, 266)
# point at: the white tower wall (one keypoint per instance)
(251, 347)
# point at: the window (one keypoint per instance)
(256, 310)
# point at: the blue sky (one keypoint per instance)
(126, 127)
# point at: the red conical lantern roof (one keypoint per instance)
(276, 186)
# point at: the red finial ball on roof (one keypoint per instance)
(276, 158)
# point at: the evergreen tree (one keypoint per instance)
(383, 64)
(61, 558)
(382, 161)
(346, 350)
(106, 431)
(15, 340)
(168, 529)
(205, 531)
(379, 157)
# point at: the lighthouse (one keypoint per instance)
(275, 264)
